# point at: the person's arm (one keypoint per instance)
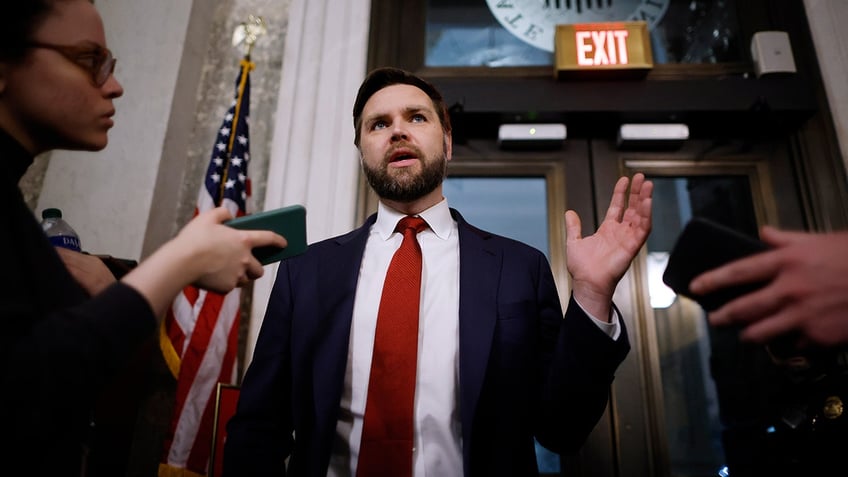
(580, 363)
(583, 357)
(88, 270)
(205, 253)
(806, 290)
(597, 262)
(89, 340)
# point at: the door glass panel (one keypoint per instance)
(467, 33)
(515, 207)
(725, 402)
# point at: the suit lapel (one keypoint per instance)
(338, 275)
(479, 274)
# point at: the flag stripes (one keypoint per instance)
(199, 336)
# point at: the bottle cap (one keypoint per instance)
(51, 213)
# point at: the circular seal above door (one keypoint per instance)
(535, 21)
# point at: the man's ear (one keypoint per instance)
(448, 146)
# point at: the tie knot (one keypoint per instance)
(415, 223)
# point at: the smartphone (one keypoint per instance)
(704, 245)
(289, 221)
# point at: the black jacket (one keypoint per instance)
(60, 348)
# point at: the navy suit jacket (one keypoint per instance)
(524, 369)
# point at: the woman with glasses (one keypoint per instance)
(63, 339)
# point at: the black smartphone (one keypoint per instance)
(289, 221)
(703, 245)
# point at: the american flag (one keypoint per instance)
(199, 336)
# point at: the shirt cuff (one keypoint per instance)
(611, 328)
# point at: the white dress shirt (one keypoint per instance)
(437, 436)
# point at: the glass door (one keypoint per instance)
(692, 398)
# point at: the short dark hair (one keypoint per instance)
(388, 76)
(20, 19)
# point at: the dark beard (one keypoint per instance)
(405, 187)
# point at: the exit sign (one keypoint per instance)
(620, 48)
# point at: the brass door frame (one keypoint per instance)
(637, 397)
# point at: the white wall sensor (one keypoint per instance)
(772, 53)
(531, 136)
(662, 135)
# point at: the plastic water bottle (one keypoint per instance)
(60, 233)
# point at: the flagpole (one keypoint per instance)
(246, 67)
(246, 33)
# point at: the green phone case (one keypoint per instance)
(289, 221)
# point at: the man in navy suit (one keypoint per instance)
(498, 364)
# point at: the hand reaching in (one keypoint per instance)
(205, 253)
(806, 291)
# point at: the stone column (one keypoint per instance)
(313, 160)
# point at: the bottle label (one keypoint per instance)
(65, 241)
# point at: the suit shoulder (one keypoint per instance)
(319, 248)
(507, 244)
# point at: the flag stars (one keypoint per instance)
(226, 183)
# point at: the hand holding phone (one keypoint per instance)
(704, 245)
(290, 222)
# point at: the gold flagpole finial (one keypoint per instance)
(248, 32)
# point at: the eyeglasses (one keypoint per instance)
(94, 59)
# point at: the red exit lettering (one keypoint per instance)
(601, 47)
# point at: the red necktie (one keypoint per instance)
(387, 433)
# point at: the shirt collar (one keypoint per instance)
(438, 218)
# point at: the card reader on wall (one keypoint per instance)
(531, 136)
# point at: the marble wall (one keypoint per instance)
(217, 88)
